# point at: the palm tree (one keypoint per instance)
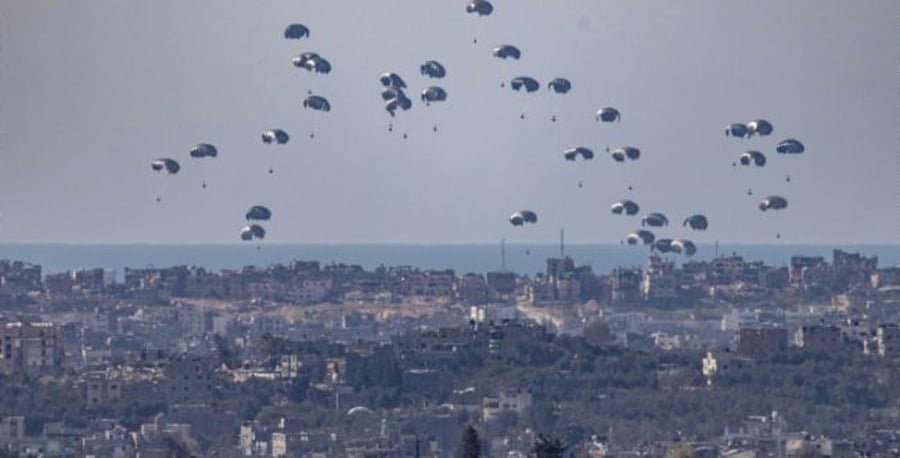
(549, 447)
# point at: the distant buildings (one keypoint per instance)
(30, 348)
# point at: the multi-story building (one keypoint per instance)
(31, 348)
(101, 389)
(852, 269)
(660, 280)
(800, 263)
(19, 277)
(509, 400)
(501, 282)
(625, 284)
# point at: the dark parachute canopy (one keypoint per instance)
(790, 146)
(696, 222)
(481, 7)
(277, 136)
(303, 59)
(773, 203)
(204, 150)
(737, 130)
(507, 52)
(399, 100)
(655, 220)
(316, 102)
(258, 213)
(759, 127)
(521, 217)
(640, 236)
(525, 82)
(626, 207)
(392, 80)
(624, 152)
(296, 32)
(434, 94)
(560, 85)
(754, 157)
(662, 245)
(389, 93)
(572, 153)
(433, 69)
(685, 247)
(170, 166)
(608, 114)
(253, 231)
(312, 62)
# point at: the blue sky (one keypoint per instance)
(93, 91)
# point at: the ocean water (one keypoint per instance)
(520, 258)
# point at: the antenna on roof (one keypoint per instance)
(503, 254)
(562, 242)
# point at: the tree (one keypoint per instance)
(549, 447)
(470, 443)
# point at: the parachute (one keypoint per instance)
(434, 94)
(737, 130)
(655, 220)
(696, 222)
(662, 245)
(759, 127)
(481, 7)
(572, 153)
(204, 150)
(296, 32)
(312, 62)
(773, 203)
(253, 231)
(170, 166)
(608, 114)
(525, 82)
(755, 157)
(507, 52)
(560, 85)
(317, 102)
(258, 213)
(627, 207)
(521, 217)
(400, 100)
(392, 80)
(640, 236)
(685, 247)
(624, 152)
(277, 136)
(433, 69)
(790, 146)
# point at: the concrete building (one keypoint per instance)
(509, 400)
(32, 348)
(101, 389)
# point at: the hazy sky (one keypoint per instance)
(92, 91)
